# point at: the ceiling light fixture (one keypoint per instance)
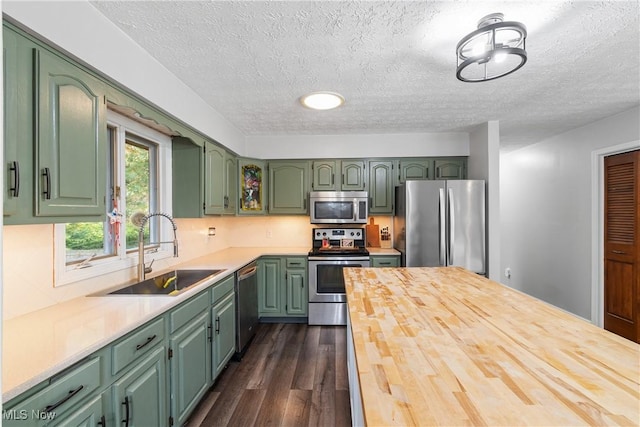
(494, 50)
(322, 100)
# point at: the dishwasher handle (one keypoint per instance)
(245, 274)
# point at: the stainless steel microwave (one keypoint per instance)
(339, 207)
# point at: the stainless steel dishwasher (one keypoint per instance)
(246, 306)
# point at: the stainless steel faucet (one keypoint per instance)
(142, 269)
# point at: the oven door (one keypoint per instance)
(326, 282)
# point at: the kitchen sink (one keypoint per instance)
(171, 283)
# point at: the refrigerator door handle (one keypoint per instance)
(442, 227)
(452, 227)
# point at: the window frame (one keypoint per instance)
(123, 259)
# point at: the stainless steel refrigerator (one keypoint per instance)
(441, 223)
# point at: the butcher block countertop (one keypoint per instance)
(444, 346)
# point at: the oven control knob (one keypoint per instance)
(324, 234)
(357, 233)
(353, 234)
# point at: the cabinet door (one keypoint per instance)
(214, 179)
(415, 169)
(324, 175)
(381, 187)
(190, 363)
(269, 287)
(187, 178)
(252, 187)
(230, 184)
(297, 292)
(353, 175)
(450, 168)
(11, 160)
(224, 333)
(140, 396)
(71, 139)
(288, 187)
(90, 414)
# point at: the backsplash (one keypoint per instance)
(28, 263)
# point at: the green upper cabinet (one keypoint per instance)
(252, 186)
(203, 178)
(230, 184)
(415, 169)
(353, 175)
(324, 175)
(220, 180)
(453, 168)
(288, 187)
(381, 184)
(71, 139)
(12, 161)
(338, 175)
(187, 178)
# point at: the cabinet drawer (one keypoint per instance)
(187, 311)
(385, 261)
(60, 395)
(297, 262)
(136, 344)
(223, 288)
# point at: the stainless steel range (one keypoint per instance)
(333, 249)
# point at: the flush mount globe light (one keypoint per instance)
(495, 49)
(322, 100)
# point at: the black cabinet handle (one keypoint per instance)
(15, 168)
(218, 325)
(125, 402)
(102, 422)
(50, 408)
(384, 263)
(209, 335)
(47, 183)
(139, 346)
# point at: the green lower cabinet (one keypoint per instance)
(297, 287)
(140, 396)
(190, 366)
(269, 287)
(385, 261)
(282, 287)
(223, 334)
(91, 414)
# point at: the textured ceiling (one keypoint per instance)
(394, 62)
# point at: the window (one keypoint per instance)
(136, 183)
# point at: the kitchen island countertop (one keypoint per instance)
(444, 346)
(40, 344)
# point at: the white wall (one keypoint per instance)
(29, 259)
(546, 214)
(358, 146)
(85, 33)
(484, 163)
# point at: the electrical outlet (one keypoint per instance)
(212, 231)
(269, 234)
(507, 273)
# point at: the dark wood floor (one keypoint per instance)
(291, 375)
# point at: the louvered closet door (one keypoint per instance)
(621, 244)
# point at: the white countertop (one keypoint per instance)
(382, 251)
(40, 344)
